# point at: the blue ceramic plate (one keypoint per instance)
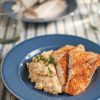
(72, 5)
(15, 75)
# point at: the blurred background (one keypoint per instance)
(24, 19)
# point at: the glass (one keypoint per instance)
(10, 29)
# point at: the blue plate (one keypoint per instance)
(15, 75)
(72, 5)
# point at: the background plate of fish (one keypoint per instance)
(40, 10)
(15, 74)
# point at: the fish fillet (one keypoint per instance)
(82, 66)
(61, 57)
(28, 3)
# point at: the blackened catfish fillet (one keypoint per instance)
(82, 66)
(61, 57)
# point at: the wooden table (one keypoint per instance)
(72, 25)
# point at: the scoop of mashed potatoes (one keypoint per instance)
(42, 72)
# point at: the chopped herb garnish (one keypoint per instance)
(51, 60)
(50, 71)
(48, 61)
(38, 57)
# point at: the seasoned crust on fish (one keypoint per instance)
(61, 57)
(82, 66)
(60, 52)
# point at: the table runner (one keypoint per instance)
(73, 24)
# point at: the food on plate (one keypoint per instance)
(34, 9)
(61, 58)
(25, 4)
(82, 66)
(42, 71)
(66, 70)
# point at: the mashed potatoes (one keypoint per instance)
(42, 72)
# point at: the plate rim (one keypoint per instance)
(4, 82)
(43, 20)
